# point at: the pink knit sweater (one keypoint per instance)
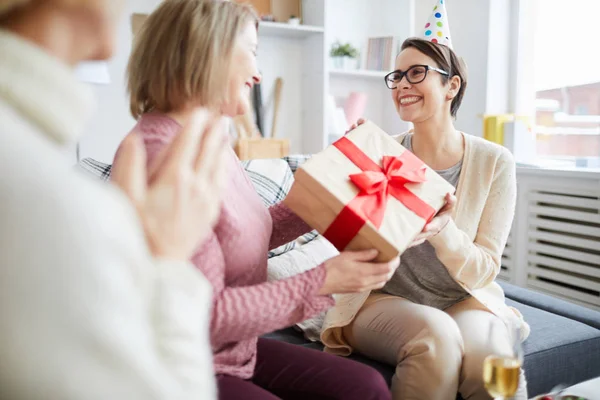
(234, 260)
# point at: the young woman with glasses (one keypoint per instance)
(433, 318)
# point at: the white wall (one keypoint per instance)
(499, 57)
(289, 120)
(112, 121)
(480, 32)
(481, 36)
(469, 27)
(522, 50)
(354, 21)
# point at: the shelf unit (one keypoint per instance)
(299, 54)
(296, 53)
(358, 74)
(278, 29)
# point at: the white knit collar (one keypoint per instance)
(43, 89)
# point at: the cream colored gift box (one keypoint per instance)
(323, 188)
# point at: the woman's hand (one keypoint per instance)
(355, 271)
(179, 200)
(356, 125)
(438, 223)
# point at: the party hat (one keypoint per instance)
(437, 29)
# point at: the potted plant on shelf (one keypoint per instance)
(294, 20)
(344, 56)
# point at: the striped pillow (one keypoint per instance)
(94, 168)
(271, 178)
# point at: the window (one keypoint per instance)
(567, 83)
(582, 109)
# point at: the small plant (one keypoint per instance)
(343, 50)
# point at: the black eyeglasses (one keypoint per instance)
(415, 74)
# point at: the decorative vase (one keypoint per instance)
(354, 106)
(349, 63)
(337, 62)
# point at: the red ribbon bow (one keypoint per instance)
(376, 184)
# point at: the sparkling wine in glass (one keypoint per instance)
(501, 372)
(501, 376)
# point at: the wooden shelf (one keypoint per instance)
(278, 29)
(359, 73)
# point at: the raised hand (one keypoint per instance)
(356, 125)
(179, 201)
(437, 223)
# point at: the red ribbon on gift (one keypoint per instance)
(376, 184)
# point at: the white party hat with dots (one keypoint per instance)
(437, 29)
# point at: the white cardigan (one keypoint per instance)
(85, 312)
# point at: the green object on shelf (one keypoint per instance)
(343, 50)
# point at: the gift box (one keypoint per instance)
(367, 191)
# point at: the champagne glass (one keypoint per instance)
(501, 371)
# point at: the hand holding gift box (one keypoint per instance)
(367, 191)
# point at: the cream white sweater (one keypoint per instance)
(85, 312)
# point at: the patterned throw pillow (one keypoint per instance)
(95, 168)
(271, 178)
(296, 160)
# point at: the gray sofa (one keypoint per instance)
(564, 345)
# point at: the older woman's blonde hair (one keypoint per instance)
(182, 54)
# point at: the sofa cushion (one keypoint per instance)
(552, 304)
(558, 350)
(296, 160)
(271, 178)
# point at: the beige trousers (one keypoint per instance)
(436, 353)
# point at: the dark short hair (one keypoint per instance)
(446, 59)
